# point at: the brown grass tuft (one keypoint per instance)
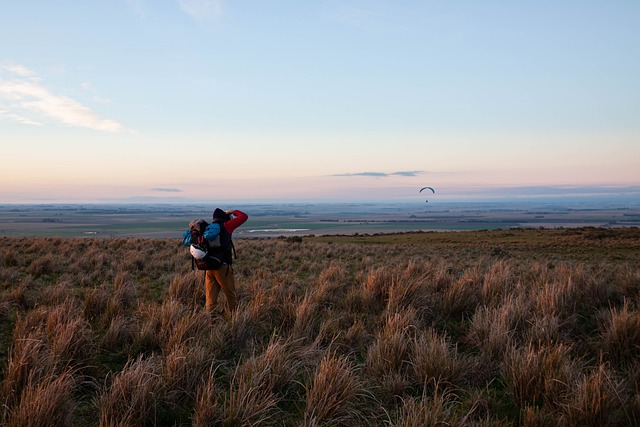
(45, 264)
(10, 257)
(251, 400)
(133, 395)
(62, 330)
(389, 353)
(437, 409)
(95, 302)
(436, 361)
(335, 395)
(374, 290)
(185, 367)
(119, 335)
(187, 289)
(620, 338)
(498, 282)
(29, 361)
(409, 292)
(208, 410)
(493, 330)
(278, 365)
(46, 401)
(191, 325)
(462, 296)
(58, 293)
(536, 375)
(306, 323)
(592, 400)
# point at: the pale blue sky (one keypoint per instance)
(287, 100)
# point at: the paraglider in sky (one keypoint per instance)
(430, 188)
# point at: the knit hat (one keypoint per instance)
(220, 214)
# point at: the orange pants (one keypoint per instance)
(220, 278)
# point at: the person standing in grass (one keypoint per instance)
(222, 276)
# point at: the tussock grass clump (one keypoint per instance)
(208, 408)
(162, 327)
(620, 337)
(258, 386)
(250, 400)
(501, 280)
(120, 334)
(148, 337)
(58, 293)
(431, 409)
(336, 394)
(547, 329)
(71, 342)
(245, 330)
(286, 362)
(44, 265)
(189, 327)
(388, 358)
(307, 323)
(390, 350)
(29, 361)
(16, 296)
(627, 282)
(187, 289)
(62, 329)
(556, 299)
(185, 368)
(354, 339)
(434, 360)
(536, 375)
(373, 291)
(462, 296)
(593, 399)
(122, 296)
(10, 257)
(132, 395)
(409, 292)
(494, 329)
(95, 302)
(46, 401)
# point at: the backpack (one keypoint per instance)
(226, 251)
(204, 242)
(210, 245)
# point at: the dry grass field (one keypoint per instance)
(487, 328)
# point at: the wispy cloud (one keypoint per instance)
(409, 173)
(202, 10)
(167, 190)
(18, 118)
(383, 174)
(19, 70)
(23, 98)
(375, 174)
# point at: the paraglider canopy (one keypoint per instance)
(425, 188)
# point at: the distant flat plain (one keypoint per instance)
(300, 219)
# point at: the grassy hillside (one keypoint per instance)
(517, 327)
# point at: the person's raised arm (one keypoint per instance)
(237, 219)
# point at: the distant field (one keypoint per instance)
(592, 245)
(169, 221)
